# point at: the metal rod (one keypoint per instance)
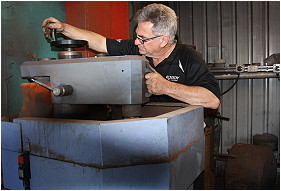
(250, 113)
(42, 84)
(246, 76)
(250, 81)
(223, 70)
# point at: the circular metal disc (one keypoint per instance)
(69, 43)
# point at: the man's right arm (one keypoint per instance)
(96, 41)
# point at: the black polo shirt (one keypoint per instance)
(184, 66)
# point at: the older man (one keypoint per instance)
(179, 73)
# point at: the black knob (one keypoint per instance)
(239, 68)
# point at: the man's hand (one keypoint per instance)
(155, 83)
(193, 95)
(52, 23)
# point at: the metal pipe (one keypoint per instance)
(223, 70)
(250, 109)
(266, 91)
(250, 46)
(246, 76)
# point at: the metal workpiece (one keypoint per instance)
(160, 152)
(101, 80)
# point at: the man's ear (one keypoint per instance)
(164, 40)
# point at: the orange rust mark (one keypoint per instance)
(37, 101)
(38, 151)
(176, 154)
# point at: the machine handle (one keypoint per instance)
(40, 83)
(64, 90)
(53, 35)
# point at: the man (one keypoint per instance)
(179, 73)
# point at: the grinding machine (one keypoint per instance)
(102, 131)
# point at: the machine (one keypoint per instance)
(141, 145)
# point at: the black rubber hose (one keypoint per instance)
(236, 80)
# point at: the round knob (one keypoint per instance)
(239, 68)
(63, 90)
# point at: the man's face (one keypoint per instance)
(149, 48)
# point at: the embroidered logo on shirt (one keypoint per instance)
(172, 78)
(118, 40)
(181, 66)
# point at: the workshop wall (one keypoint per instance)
(108, 18)
(22, 40)
(241, 33)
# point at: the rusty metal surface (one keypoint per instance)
(37, 101)
(253, 168)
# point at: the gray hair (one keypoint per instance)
(164, 19)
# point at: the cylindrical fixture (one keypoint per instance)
(69, 54)
(63, 90)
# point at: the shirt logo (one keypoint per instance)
(118, 40)
(172, 78)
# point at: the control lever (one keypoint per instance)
(64, 90)
(53, 35)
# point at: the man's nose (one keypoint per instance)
(137, 42)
